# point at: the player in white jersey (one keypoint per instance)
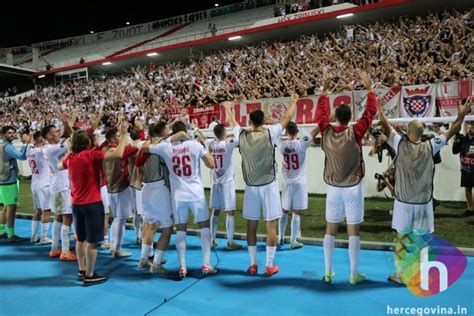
(223, 185)
(61, 205)
(40, 180)
(262, 196)
(295, 186)
(183, 161)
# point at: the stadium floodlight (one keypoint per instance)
(41, 76)
(235, 38)
(342, 16)
(92, 32)
(216, 5)
(107, 63)
(128, 23)
(152, 54)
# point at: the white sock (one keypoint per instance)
(270, 255)
(119, 232)
(295, 226)
(65, 238)
(158, 257)
(206, 246)
(112, 234)
(214, 222)
(56, 235)
(73, 227)
(282, 226)
(106, 238)
(181, 247)
(328, 245)
(354, 250)
(145, 251)
(229, 226)
(137, 224)
(253, 254)
(44, 229)
(34, 228)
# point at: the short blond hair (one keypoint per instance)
(415, 128)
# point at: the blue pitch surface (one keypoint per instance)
(33, 284)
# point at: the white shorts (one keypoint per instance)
(139, 201)
(42, 199)
(223, 196)
(181, 211)
(105, 198)
(157, 204)
(407, 217)
(345, 203)
(61, 202)
(295, 196)
(262, 202)
(121, 204)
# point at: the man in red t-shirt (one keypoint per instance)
(344, 174)
(84, 164)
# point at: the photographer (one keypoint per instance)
(380, 144)
(464, 145)
(386, 180)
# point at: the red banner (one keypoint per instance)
(201, 116)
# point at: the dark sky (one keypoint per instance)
(25, 22)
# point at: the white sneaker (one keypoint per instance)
(295, 245)
(144, 264)
(121, 254)
(158, 269)
(35, 239)
(45, 240)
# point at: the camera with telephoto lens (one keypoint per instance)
(379, 176)
(376, 132)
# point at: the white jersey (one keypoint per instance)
(294, 156)
(222, 151)
(183, 161)
(40, 170)
(60, 178)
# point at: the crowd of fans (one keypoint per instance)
(405, 51)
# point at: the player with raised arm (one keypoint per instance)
(295, 186)
(55, 150)
(223, 184)
(262, 194)
(40, 181)
(183, 160)
(414, 174)
(344, 172)
(118, 187)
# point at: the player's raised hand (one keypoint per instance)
(465, 107)
(294, 97)
(123, 127)
(227, 105)
(326, 84)
(365, 78)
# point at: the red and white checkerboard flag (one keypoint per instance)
(418, 101)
